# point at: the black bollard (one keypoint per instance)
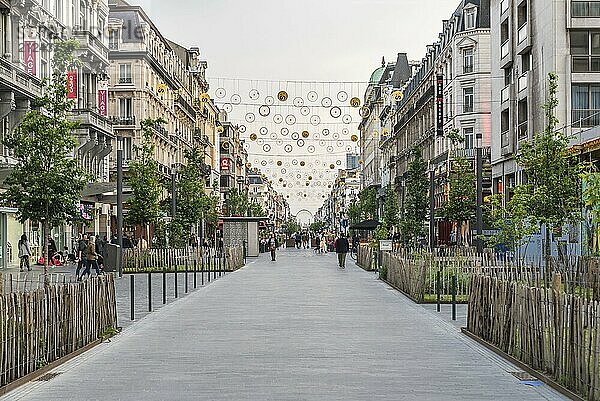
(132, 295)
(186, 276)
(164, 282)
(202, 269)
(176, 285)
(454, 297)
(195, 270)
(438, 290)
(149, 292)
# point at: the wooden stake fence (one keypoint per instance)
(41, 326)
(549, 330)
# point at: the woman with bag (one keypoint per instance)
(92, 258)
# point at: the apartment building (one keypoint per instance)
(449, 90)
(152, 77)
(234, 158)
(261, 191)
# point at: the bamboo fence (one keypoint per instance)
(364, 257)
(38, 327)
(30, 281)
(546, 328)
(171, 259)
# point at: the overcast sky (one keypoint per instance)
(300, 39)
(307, 40)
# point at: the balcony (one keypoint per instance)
(125, 80)
(504, 5)
(185, 106)
(585, 9)
(523, 33)
(505, 54)
(585, 64)
(125, 121)
(585, 118)
(87, 117)
(505, 138)
(88, 41)
(18, 80)
(505, 94)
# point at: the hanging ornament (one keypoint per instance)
(253, 137)
(254, 94)
(355, 102)
(305, 134)
(298, 102)
(282, 96)
(335, 112)
(326, 102)
(220, 93)
(312, 96)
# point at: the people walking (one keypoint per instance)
(24, 253)
(92, 258)
(323, 245)
(273, 247)
(341, 248)
(82, 245)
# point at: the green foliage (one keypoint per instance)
(514, 223)
(591, 194)
(553, 174)
(461, 205)
(317, 226)
(46, 182)
(416, 198)
(292, 226)
(368, 204)
(381, 233)
(256, 210)
(237, 203)
(391, 211)
(354, 213)
(144, 205)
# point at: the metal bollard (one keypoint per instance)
(454, 297)
(202, 270)
(176, 285)
(132, 295)
(438, 290)
(164, 285)
(195, 270)
(186, 276)
(149, 292)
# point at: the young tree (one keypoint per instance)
(237, 203)
(354, 213)
(256, 210)
(553, 174)
(143, 207)
(391, 212)
(461, 205)
(416, 203)
(190, 195)
(368, 203)
(46, 183)
(292, 227)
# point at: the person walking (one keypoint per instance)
(24, 253)
(341, 248)
(92, 258)
(323, 244)
(82, 245)
(273, 247)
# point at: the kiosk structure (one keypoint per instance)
(237, 230)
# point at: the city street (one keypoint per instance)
(294, 329)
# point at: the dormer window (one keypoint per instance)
(470, 18)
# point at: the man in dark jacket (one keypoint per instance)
(341, 248)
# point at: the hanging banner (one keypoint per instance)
(225, 163)
(30, 56)
(72, 84)
(103, 99)
(440, 104)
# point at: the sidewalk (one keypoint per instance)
(295, 329)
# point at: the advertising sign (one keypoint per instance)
(103, 99)
(225, 164)
(30, 56)
(72, 84)
(440, 104)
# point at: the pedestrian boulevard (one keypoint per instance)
(294, 329)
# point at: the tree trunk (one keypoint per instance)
(45, 251)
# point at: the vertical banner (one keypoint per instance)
(30, 56)
(72, 84)
(225, 163)
(103, 99)
(440, 104)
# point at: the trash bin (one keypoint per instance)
(111, 261)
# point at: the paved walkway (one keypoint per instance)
(297, 329)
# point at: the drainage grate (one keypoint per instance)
(523, 376)
(47, 377)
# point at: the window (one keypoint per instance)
(526, 62)
(113, 39)
(125, 74)
(470, 18)
(469, 135)
(468, 96)
(125, 108)
(585, 8)
(467, 61)
(82, 16)
(58, 9)
(585, 51)
(585, 105)
(125, 144)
